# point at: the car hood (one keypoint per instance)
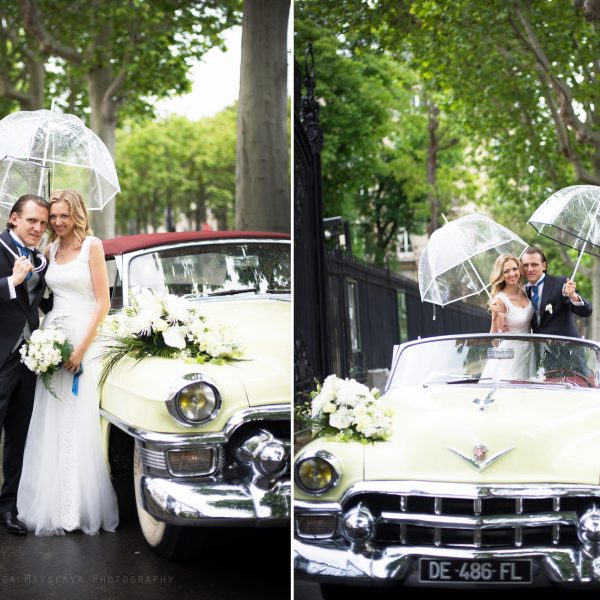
(262, 327)
(550, 435)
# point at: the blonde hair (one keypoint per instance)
(77, 211)
(497, 276)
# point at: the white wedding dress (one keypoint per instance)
(522, 365)
(65, 483)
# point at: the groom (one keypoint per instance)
(554, 313)
(21, 291)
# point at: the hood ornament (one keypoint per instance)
(480, 459)
(483, 404)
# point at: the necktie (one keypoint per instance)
(535, 298)
(26, 252)
(535, 294)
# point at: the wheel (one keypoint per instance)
(169, 541)
(577, 377)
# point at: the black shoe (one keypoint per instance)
(9, 521)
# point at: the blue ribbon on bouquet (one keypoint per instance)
(75, 386)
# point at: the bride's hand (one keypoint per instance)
(498, 308)
(74, 361)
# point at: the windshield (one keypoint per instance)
(498, 361)
(213, 269)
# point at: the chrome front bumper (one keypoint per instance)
(213, 503)
(207, 500)
(336, 563)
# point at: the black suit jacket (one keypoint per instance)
(562, 319)
(15, 313)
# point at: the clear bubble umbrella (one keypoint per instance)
(571, 217)
(77, 157)
(20, 177)
(459, 258)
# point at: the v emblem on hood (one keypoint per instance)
(480, 461)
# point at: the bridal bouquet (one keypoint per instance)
(45, 352)
(164, 325)
(347, 410)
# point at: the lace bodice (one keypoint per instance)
(71, 282)
(517, 319)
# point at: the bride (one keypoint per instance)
(65, 483)
(512, 312)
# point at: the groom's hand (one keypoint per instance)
(21, 267)
(569, 290)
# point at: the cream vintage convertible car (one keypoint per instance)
(491, 476)
(206, 444)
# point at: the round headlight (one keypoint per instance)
(197, 401)
(194, 399)
(317, 474)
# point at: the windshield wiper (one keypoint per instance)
(467, 379)
(279, 291)
(231, 292)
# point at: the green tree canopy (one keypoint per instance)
(175, 169)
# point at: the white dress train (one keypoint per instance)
(65, 484)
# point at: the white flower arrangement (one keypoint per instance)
(45, 352)
(168, 326)
(348, 410)
(548, 308)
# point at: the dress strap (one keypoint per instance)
(506, 301)
(54, 249)
(84, 255)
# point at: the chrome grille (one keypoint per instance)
(154, 458)
(483, 522)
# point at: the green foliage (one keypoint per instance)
(493, 68)
(178, 165)
(375, 118)
(152, 42)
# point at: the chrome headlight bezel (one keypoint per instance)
(184, 382)
(332, 462)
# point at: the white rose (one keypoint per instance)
(341, 419)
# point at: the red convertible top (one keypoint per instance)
(130, 243)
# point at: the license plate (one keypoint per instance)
(475, 571)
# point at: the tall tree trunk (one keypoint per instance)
(262, 170)
(103, 122)
(432, 151)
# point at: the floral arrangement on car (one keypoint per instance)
(45, 352)
(347, 410)
(167, 326)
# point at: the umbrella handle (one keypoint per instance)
(581, 250)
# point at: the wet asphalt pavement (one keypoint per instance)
(236, 565)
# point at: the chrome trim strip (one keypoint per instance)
(208, 503)
(273, 412)
(469, 490)
(447, 522)
(302, 506)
